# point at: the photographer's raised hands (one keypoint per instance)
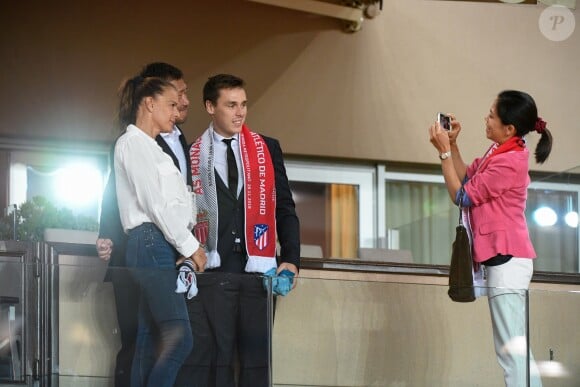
(445, 141)
(455, 129)
(440, 139)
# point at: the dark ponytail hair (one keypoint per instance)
(519, 109)
(132, 92)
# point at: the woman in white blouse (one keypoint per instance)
(156, 211)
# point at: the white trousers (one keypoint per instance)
(508, 284)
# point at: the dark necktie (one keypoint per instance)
(232, 168)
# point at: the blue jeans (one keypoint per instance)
(164, 338)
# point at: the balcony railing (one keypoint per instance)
(341, 326)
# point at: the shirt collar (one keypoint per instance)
(175, 133)
(218, 137)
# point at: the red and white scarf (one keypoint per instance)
(513, 144)
(259, 199)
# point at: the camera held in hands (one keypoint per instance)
(444, 121)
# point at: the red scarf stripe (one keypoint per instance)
(260, 196)
(515, 144)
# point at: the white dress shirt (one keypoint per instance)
(151, 189)
(172, 140)
(221, 160)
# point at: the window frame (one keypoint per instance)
(339, 173)
(372, 201)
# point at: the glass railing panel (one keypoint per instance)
(87, 324)
(19, 312)
(554, 333)
(86, 332)
(363, 333)
(352, 329)
(12, 316)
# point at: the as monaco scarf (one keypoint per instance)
(259, 199)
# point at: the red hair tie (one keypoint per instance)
(540, 125)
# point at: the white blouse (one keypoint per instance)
(150, 188)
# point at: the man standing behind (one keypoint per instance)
(244, 202)
(112, 239)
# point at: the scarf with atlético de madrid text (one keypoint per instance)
(259, 199)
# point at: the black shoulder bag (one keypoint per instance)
(461, 268)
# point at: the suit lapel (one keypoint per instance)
(185, 147)
(167, 150)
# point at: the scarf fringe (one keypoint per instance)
(213, 260)
(260, 264)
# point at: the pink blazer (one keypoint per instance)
(499, 191)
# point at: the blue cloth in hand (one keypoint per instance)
(186, 281)
(281, 283)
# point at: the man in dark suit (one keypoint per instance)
(112, 239)
(243, 203)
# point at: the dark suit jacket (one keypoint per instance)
(168, 150)
(231, 215)
(287, 223)
(110, 226)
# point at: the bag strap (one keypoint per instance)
(459, 201)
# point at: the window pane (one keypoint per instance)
(310, 201)
(66, 180)
(420, 218)
(556, 244)
(337, 207)
(329, 219)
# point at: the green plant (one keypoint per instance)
(38, 214)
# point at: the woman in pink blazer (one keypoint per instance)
(492, 190)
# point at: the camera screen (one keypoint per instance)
(444, 121)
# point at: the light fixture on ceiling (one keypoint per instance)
(351, 12)
(564, 3)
